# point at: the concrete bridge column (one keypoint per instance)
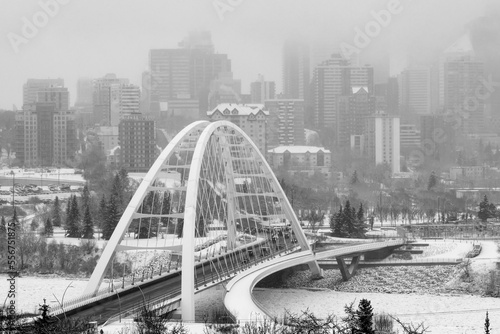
(348, 271)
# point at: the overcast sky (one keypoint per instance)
(94, 37)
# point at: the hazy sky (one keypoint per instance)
(94, 37)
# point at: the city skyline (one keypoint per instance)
(65, 47)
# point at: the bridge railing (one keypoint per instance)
(130, 281)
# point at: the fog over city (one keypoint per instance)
(250, 166)
(92, 38)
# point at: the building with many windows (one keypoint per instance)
(352, 110)
(382, 140)
(124, 100)
(251, 118)
(305, 160)
(333, 78)
(285, 126)
(137, 137)
(101, 97)
(33, 86)
(262, 90)
(45, 135)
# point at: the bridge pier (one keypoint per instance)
(348, 271)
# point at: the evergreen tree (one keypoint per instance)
(354, 177)
(336, 223)
(73, 229)
(56, 213)
(348, 219)
(200, 228)
(117, 192)
(103, 208)
(364, 315)
(85, 200)
(165, 208)
(68, 210)
(484, 209)
(48, 230)
(3, 227)
(361, 213)
(487, 324)
(432, 181)
(112, 218)
(180, 224)
(88, 225)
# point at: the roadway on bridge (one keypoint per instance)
(239, 300)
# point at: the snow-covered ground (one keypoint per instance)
(443, 314)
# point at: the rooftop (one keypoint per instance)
(298, 149)
(239, 109)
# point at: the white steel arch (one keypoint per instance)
(226, 143)
(135, 202)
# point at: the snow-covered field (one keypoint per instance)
(443, 314)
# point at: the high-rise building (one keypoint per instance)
(251, 118)
(392, 96)
(382, 140)
(296, 72)
(333, 78)
(137, 137)
(285, 126)
(83, 92)
(409, 137)
(462, 82)
(352, 110)
(416, 90)
(437, 136)
(262, 90)
(185, 73)
(124, 100)
(32, 86)
(101, 96)
(45, 135)
(58, 95)
(225, 89)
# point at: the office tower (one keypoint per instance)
(382, 140)
(285, 126)
(251, 118)
(101, 96)
(392, 96)
(205, 67)
(262, 90)
(225, 89)
(437, 136)
(200, 40)
(45, 135)
(416, 91)
(124, 99)
(32, 86)
(137, 137)
(352, 110)
(185, 73)
(58, 95)
(333, 78)
(296, 72)
(83, 92)
(461, 49)
(463, 89)
(409, 137)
